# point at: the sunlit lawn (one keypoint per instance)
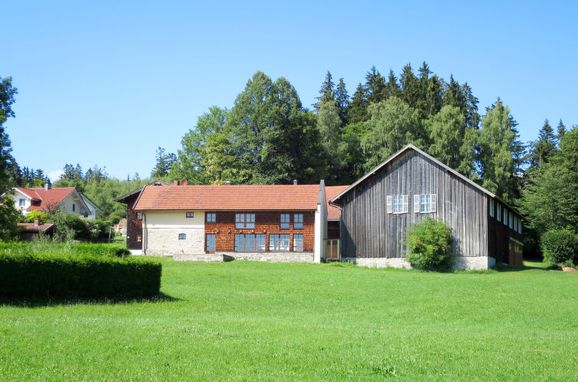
(248, 320)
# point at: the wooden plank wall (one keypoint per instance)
(368, 231)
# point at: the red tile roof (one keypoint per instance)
(48, 198)
(333, 212)
(234, 197)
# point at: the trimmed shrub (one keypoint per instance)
(80, 276)
(429, 245)
(560, 247)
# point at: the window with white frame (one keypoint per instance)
(21, 202)
(139, 215)
(244, 220)
(492, 208)
(298, 221)
(397, 204)
(211, 217)
(189, 214)
(279, 243)
(182, 236)
(424, 203)
(284, 222)
(298, 243)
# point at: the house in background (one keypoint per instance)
(378, 210)
(33, 231)
(45, 198)
(260, 222)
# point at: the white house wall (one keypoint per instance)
(162, 229)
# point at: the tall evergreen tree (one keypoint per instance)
(327, 91)
(501, 152)
(392, 88)
(410, 87)
(342, 101)
(358, 107)
(375, 86)
(560, 130)
(544, 147)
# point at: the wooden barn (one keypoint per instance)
(378, 210)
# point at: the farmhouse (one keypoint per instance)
(45, 198)
(261, 222)
(378, 209)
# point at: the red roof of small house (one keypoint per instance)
(34, 228)
(47, 198)
(301, 197)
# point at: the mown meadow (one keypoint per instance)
(251, 321)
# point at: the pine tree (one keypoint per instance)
(358, 107)
(7, 93)
(375, 85)
(392, 88)
(544, 147)
(560, 130)
(164, 163)
(327, 91)
(342, 101)
(410, 86)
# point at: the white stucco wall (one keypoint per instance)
(162, 229)
(16, 196)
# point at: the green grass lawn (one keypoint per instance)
(248, 321)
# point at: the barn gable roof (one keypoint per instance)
(426, 155)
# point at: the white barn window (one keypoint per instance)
(424, 203)
(397, 204)
(492, 208)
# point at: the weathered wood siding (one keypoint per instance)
(368, 231)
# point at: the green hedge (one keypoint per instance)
(54, 248)
(80, 276)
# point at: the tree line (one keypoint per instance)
(268, 136)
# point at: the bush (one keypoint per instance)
(80, 276)
(67, 248)
(33, 215)
(429, 245)
(560, 247)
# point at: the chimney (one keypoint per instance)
(294, 182)
(184, 182)
(46, 186)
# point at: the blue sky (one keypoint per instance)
(108, 82)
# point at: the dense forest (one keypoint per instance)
(268, 136)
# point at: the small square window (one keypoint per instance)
(139, 215)
(211, 217)
(244, 220)
(298, 221)
(182, 236)
(190, 214)
(21, 202)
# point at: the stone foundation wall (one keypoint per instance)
(280, 257)
(462, 263)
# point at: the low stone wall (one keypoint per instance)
(280, 257)
(463, 263)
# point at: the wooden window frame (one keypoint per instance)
(211, 217)
(298, 221)
(302, 249)
(246, 222)
(284, 221)
(277, 238)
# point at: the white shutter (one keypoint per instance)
(433, 202)
(405, 203)
(416, 203)
(389, 205)
(492, 208)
